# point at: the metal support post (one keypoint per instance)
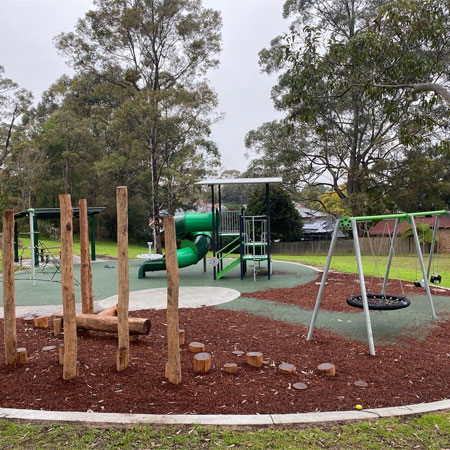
(16, 243)
(422, 266)
(268, 231)
(33, 244)
(324, 279)
(213, 234)
(433, 243)
(363, 287)
(93, 255)
(391, 255)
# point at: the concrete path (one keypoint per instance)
(217, 419)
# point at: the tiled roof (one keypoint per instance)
(386, 227)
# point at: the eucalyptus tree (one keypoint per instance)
(146, 47)
(14, 102)
(355, 132)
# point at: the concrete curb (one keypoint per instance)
(80, 418)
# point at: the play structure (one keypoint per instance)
(226, 233)
(44, 259)
(381, 301)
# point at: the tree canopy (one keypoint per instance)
(285, 221)
(352, 87)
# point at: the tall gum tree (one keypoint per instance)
(354, 135)
(155, 45)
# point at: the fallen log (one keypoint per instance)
(109, 323)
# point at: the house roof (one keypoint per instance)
(386, 227)
(321, 226)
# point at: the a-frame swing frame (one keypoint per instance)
(351, 223)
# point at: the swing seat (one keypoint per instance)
(387, 302)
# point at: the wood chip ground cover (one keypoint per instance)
(412, 371)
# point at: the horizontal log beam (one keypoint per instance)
(109, 323)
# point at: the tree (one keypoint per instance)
(14, 101)
(146, 47)
(285, 221)
(355, 134)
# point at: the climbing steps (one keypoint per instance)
(231, 266)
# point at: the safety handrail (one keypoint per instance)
(229, 253)
(229, 243)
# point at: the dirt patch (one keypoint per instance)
(405, 373)
(338, 288)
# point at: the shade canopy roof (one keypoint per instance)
(218, 181)
(54, 213)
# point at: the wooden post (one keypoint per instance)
(87, 298)
(9, 302)
(68, 294)
(123, 351)
(173, 366)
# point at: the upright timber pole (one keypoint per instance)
(324, 280)
(87, 299)
(173, 366)
(9, 321)
(422, 266)
(123, 351)
(68, 294)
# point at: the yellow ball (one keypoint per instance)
(358, 407)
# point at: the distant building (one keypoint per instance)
(317, 225)
(386, 228)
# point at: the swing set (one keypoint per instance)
(381, 301)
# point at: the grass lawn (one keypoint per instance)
(431, 431)
(404, 267)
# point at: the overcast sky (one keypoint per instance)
(27, 29)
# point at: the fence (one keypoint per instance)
(380, 246)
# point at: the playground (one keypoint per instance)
(243, 332)
(272, 317)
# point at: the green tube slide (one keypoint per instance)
(194, 231)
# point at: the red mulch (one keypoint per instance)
(339, 286)
(400, 374)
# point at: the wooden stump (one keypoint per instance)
(202, 362)
(237, 352)
(112, 311)
(327, 369)
(287, 368)
(230, 368)
(197, 347)
(22, 357)
(57, 327)
(40, 322)
(181, 336)
(299, 386)
(28, 320)
(61, 354)
(255, 359)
